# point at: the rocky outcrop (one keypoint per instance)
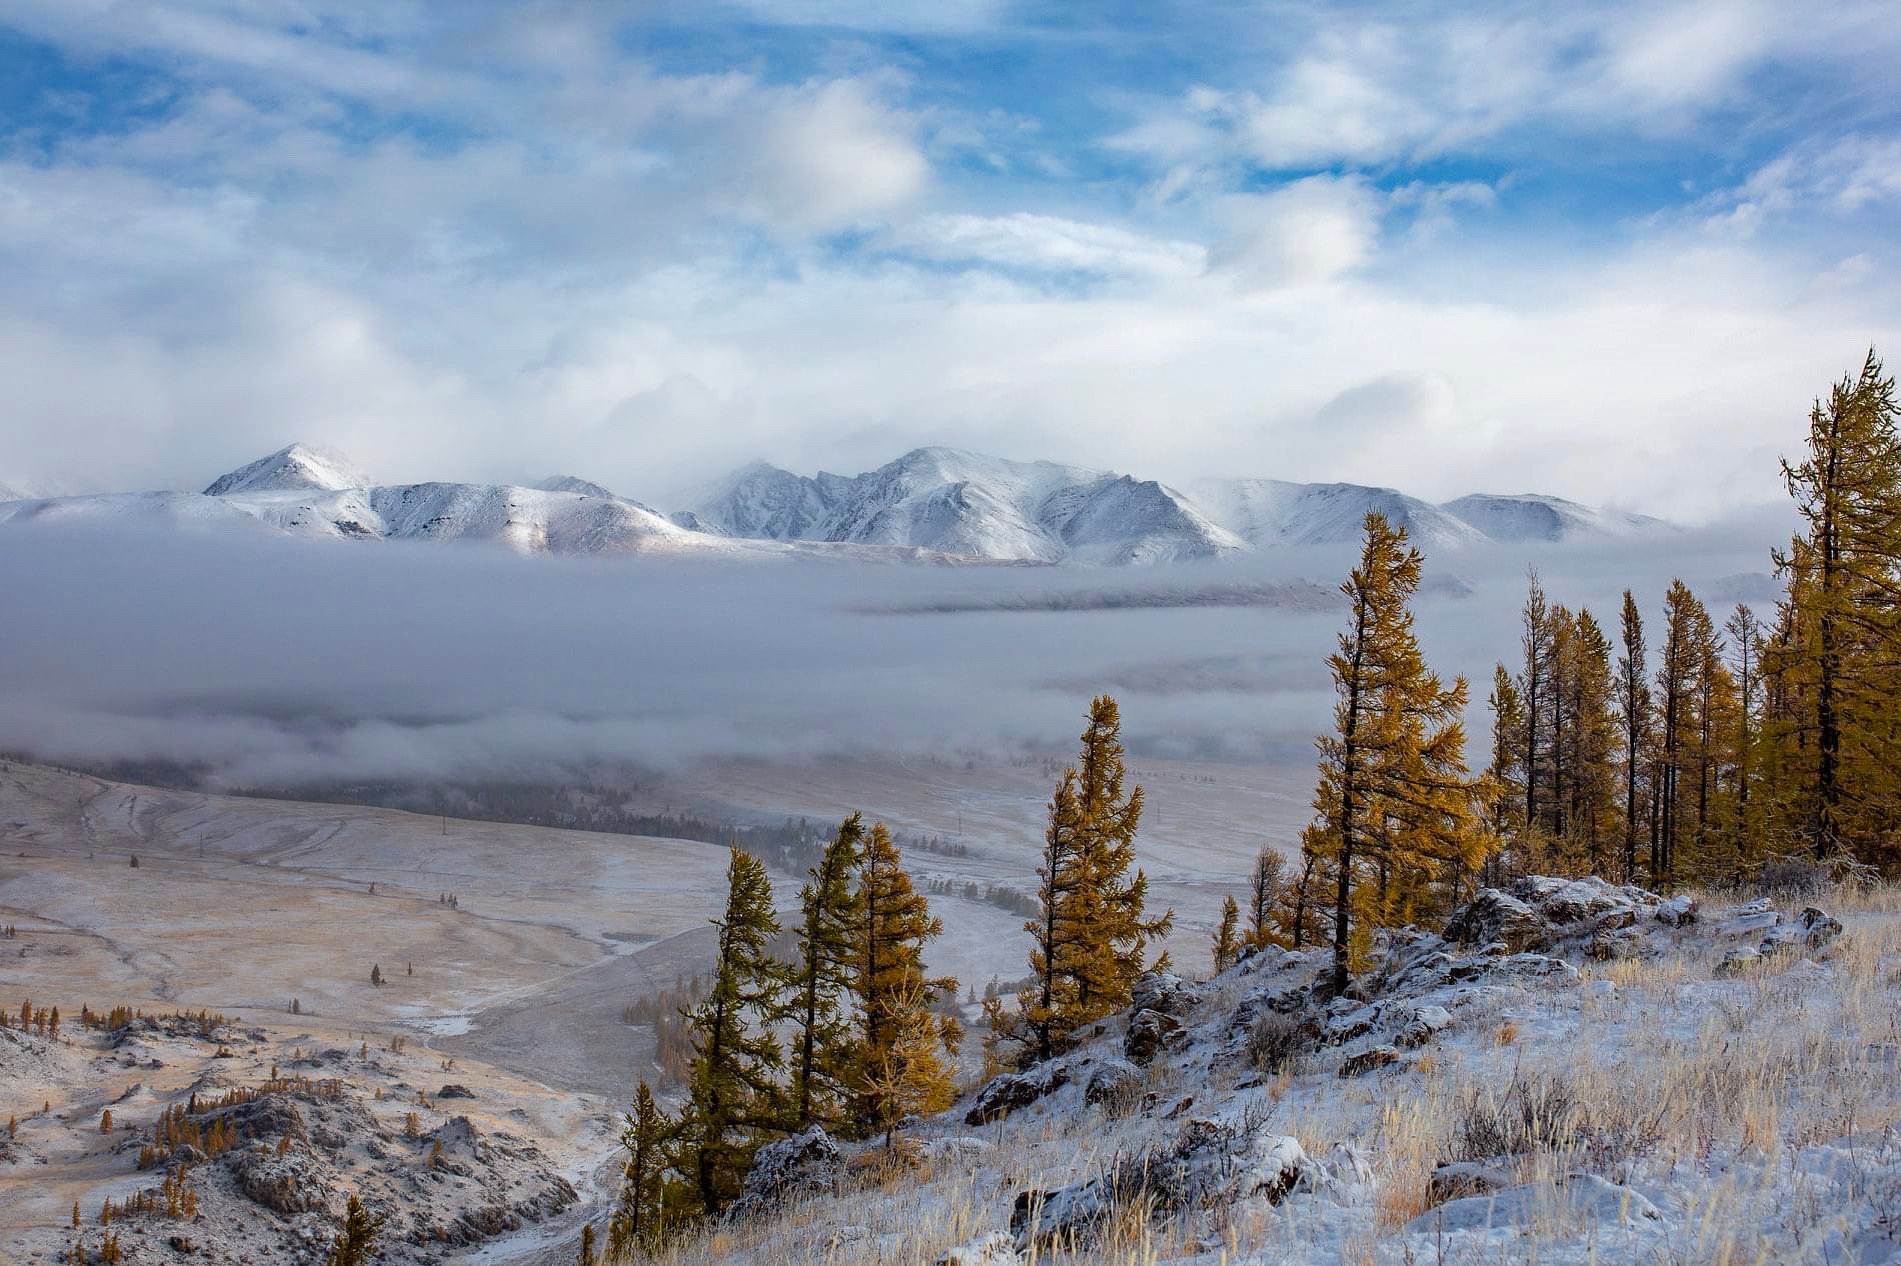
(1539, 912)
(1213, 1164)
(1113, 1081)
(1007, 1092)
(1150, 1033)
(804, 1165)
(296, 1181)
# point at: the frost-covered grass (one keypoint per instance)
(1758, 1114)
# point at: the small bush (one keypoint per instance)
(1276, 1041)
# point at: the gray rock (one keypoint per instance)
(806, 1164)
(1679, 911)
(1112, 1080)
(1368, 1060)
(1166, 992)
(1738, 961)
(1007, 1092)
(1150, 1032)
(1212, 1164)
(1496, 916)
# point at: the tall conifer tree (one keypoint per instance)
(1841, 663)
(824, 1046)
(1633, 713)
(897, 1073)
(1396, 812)
(735, 1098)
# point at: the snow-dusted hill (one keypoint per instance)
(961, 502)
(1530, 517)
(932, 504)
(1273, 512)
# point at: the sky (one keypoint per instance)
(1606, 251)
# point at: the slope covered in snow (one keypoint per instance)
(1268, 512)
(967, 503)
(294, 467)
(1532, 517)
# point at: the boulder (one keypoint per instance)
(806, 1164)
(1112, 1081)
(1150, 1032)
(1212, 1164)
(1496, 916)
(994, 1249)
(1368, 1060)
(1678, 912)
(1164, 991)
(454, 1090)
(1580, 1198)
(1007, 1092)
(1425, 1022)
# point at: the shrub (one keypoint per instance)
(1276, 1041)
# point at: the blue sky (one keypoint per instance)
(1606, 251)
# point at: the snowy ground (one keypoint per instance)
(1700, 1120)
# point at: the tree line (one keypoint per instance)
(1748, 743)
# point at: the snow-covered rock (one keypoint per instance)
(1112, 1081)
(1213, 1163)
(1007, 1092)
(807, 1164)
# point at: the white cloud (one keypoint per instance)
(1045, 243)
(1310, 230)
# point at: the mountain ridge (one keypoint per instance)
(934, 504)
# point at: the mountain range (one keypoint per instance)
(931, 504)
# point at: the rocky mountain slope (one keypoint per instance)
(1573, 1071)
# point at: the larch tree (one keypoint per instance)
(1111, 896)
(1634, 715)
(1842, 662)
(1265, 883)
(1227, 937)
(735, 1098)
(1684, 654)
(1533, 687)
(1396, 814)
(896, 1073)
(1745, 637)
(1040, 1022)
(1507, 768)
(1593, 744)
(639, 1220)
(825, 1044)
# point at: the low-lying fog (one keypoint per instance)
(274, 662)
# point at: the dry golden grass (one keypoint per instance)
(1671, 1074)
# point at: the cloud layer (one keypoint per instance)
(1607, 252)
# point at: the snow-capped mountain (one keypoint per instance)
(296, 467)
(966, 503)
(1267, 512)
(932, 504)
(1531, 517)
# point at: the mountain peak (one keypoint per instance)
(291, 467)
(574, 483)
